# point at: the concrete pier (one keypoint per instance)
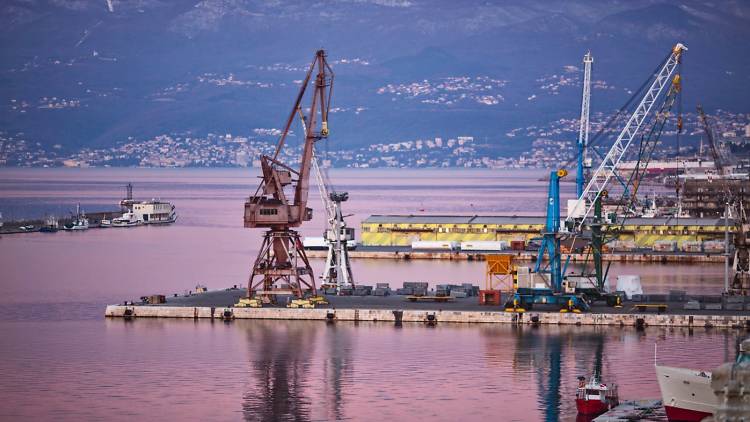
(646, 410)
(393, 309)
(631, 256)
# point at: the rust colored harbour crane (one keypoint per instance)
(280, 202)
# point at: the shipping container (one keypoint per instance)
(665, 246)
(314, 243)
(714, 246)
(435, 245)
(517, 245)
(484, 245)
(692, 246)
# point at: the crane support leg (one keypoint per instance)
(281, 268)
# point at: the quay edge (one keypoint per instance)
(407, 254)
(423, 316)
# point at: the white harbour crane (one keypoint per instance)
(337, 236)
(609, 166)
(584, 162)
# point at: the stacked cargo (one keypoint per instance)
(665, 246)
(458, 293)
(692, 246)
(382, 289)
(413, 288)
(443, 290)
(713, 246)
(362, 290)
(456, 290)
(620, 245)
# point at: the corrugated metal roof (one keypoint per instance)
(417, 219)
(508, 219)
(511, 219)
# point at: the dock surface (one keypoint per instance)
(219, 304)
(637, 410)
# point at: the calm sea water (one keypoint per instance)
(59, 358)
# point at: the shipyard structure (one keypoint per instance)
(665, 234)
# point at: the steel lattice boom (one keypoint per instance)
(282, 266)
(609, 165)
(583, 131)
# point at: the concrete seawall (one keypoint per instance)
(650, 256)
(428, 316)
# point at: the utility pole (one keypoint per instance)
(726, 247)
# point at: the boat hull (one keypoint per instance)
(75, 228)
(125, 224)
(591, 407)
(676, 414)
(686, 393)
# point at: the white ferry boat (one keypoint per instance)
(154, 212)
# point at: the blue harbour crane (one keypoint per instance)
(642, 123)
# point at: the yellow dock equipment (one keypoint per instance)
(301, 303)
(249, 303)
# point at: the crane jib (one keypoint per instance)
(609, 165)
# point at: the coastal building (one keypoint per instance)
(402, 230)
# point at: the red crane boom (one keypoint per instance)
(282, 265)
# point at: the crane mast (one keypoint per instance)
(338, 270)
(610, 164)
(711, 140)
(282, 266)
(583, 131)
(323, 189)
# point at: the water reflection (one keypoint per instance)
(337, 367)
(545, 361)
(279, 370)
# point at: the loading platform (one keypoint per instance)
(219, 304)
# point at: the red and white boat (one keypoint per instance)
(594, 398)
(686, 393)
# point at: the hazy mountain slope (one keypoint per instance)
(149, 67)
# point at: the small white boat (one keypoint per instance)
(80, 221)
(128, 219)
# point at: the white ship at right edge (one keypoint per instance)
(686, 393)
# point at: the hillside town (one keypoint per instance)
(550, 145)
